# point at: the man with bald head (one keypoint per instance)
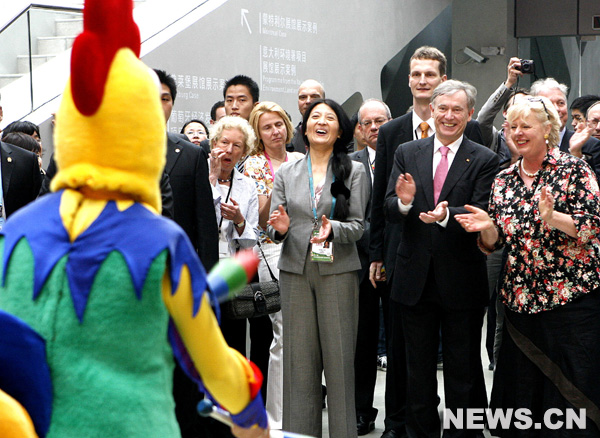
(309, 91)
(593, 119)
(372, 114)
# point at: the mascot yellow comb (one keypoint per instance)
(111, 291)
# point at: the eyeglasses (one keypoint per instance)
(378, 122)
(593, 123)
(540, 100)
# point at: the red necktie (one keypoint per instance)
(440, 174)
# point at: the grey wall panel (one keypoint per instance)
(545, 18)
(343, 44)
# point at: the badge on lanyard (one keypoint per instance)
(321, 252)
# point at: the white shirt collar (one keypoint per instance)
(416, 121)
(453, 146)
(372, 154)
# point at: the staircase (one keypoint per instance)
(51, 32)
(63, 29)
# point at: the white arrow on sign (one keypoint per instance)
(245, 20)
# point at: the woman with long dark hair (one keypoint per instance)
(317, 212)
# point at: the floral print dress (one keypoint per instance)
(546, 268)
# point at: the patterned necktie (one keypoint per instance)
(424, 129)
(440, 174)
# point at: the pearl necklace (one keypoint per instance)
(530, 175)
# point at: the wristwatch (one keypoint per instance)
(241, 224)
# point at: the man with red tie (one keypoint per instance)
(440, 278)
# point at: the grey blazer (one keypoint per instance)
(291, 190)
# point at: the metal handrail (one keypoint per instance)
(40, 6)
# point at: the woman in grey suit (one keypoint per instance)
(318, 207)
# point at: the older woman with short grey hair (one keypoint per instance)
(236, 205)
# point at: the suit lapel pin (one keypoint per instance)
(177, 150)
(468, 160)
(9, 159)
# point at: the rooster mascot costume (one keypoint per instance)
(101, 293)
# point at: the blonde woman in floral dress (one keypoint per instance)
(544, 210)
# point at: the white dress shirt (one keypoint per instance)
(437, 156)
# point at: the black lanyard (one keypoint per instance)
(226, 199)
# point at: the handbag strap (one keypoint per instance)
(267, 263)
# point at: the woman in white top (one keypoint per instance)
(236, 205)
(274, 130)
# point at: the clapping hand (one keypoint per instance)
(324, 231)
(546, 204)
(279, 220)
(232, 212)
(437, 215)
(406, 188)
(475, 221)
(578, 139)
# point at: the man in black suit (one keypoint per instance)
(309, 91)
(581, 146)
(427, 71)
(440, 278)
(21, 178)
(372, 114)
(187, 167)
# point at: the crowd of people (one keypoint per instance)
(435, 217)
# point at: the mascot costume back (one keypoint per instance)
(98, 292)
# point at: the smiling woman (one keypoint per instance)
(544, 211)
(317, 212)
(274, 130)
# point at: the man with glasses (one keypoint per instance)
(593, 119)
(577, 143)
(372, 114)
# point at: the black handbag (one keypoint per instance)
(256, 299)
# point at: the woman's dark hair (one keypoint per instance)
(194, 121)
(22, 140)
(341, 165)
(25, 127)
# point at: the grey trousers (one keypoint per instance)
(320, 319)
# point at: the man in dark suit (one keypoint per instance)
(440, 278)
(427, 71)
(309, 91)
(372, 114)
(581, 145)
(21, 178)
(187, 167)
